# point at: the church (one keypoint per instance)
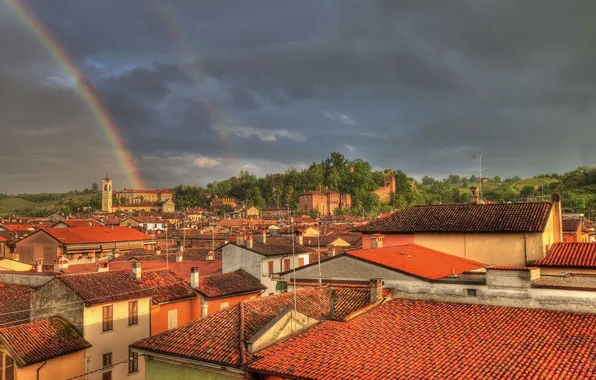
(129, 200)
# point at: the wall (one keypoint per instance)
(62, 367)
(569, 237)
(158, 370)
(214, 305)
(39, 244)
(235, 257)
(389, 240)
(559, 270)
(56, 298)
(159, 315)
(117, 340)
(29, 278)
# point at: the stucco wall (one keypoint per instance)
(158, 370)
(234, 258)
(56, 298)
(29, 279)
(60, 368)
(159, 315)
(214, 305)
(117, 340)
(389, 240)
(37, 245)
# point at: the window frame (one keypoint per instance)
(133, 315)
(106, 361)
(289, 265)
(107, 318)
(300, 262)
(270, 267)
(133, 361)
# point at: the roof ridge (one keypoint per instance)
(241, 333)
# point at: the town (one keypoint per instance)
(140, 289)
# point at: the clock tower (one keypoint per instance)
(106, 195)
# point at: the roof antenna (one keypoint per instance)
(480, 169)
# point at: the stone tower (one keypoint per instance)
(390, 181)
(106, 194)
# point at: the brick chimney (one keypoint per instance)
(194, 277)
(557, 218)
(204, 309)
(179, 257)
(376, 241)
(39, 265)
(474, 195)
(103, 265)
(376, 290)
(136, 269)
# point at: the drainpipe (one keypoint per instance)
(40, 367)
(525, 249)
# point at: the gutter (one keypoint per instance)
(40, 367)
(525, 249)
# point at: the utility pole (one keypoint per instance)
(480, 169)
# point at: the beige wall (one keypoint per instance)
(62, 367)
(117, 340)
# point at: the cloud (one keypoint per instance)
(206, 162)
(342, 118)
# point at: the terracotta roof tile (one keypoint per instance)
(216, 338)
(277, 245)
(469, 218)
(166, 285)
(38, 341)
(572, 255)
(416, 260)
(406, 339)
(227, 284)
(104, 287)
(571, 224)
(80, 223)
(14, 304)
(82, 235)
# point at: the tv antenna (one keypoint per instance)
(480, 169)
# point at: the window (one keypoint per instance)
(133, 313)
(108, 318)
(172, 319)
(286, 265)
(107, 362)
(133, 361)
(270, 267)
(471, 292)
(301, 261)
(223, 305)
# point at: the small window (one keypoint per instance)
(471, 292)
(107, 362)
(133, 361)
(108, 318)
(172, 319)
(286, 265)
(301, 261)
(223, 305)
(270, 267)
(133, 313)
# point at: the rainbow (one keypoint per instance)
(86, 91)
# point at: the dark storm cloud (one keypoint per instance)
(200, 90)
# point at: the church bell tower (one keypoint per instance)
(106, 195)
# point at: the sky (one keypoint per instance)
(200, 90)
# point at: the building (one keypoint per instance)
(106, 194)
(217, 203)
(565, 258)
(79, 245)
(167, 206)
(129, 200)
(408, 339)
(148, 223)
(575, 231)
(389, 187)
(46, 349)
(326, 202)
(222, 345)
(131, 196)
(70, 223)
(111, 310)
(275, 213)
(263, 257)
(495, 234)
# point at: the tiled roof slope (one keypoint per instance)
(167, 285)
(216, 339)
(470, 218)
(103, 287)
(571, 224)
(14, 304)
(277, 245)
(573, 255)
(42, 340)
(416, 260)
(405, 339)
(226, 284)
(84, 235)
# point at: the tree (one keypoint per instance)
(95, 187)
(226, 209)
(426, 180)
(527, 191)
(453, 179)
(497, 179)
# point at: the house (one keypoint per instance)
(409, 339)
(69, 223)
(495, 234)
(246, 212)
(221, 345)
(389, 187)
(275, 213)
(149, 223)
(264, 257)
(14, 304)
(46, 349)
(569, 258)
(219, 291)
(217, 203)
(326, 202)
(79, 244)
(3, 249)
(574, 230)
(109, 309)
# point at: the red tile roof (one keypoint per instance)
(406, 339)
(14, 304)
(104, 287)
(3, 239)
(571, 224)
(468, 218)
(20, 227)
(167, 285)
(572, 255)
(80, 223)
(42, 340)
(276, 246)
(227, 284)
(416, 260)
(216, 339)
(84, 235)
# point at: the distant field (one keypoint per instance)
(7, 205)
(10, 205)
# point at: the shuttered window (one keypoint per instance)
(108, 318)
(133, 313)
(172, 319)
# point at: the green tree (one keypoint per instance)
(527, 191)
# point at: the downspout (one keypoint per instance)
(525, 249)
(40, 367)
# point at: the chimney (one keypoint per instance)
(63, 263)
(39, 265)
(103, 265)
(264, 236)
(210, 256)
(179, 257)
(181, 248)
(331, 251)
(115, 253)
(332, 300)
(249, 242)
(239, 239)
(136, 269)
(557, 217)
(376, 290)
(299, 239)
(194, 277)
(376, 241)
(57, 268)
(474, 195)
(204, 309)
(15, 257)
(158, 251)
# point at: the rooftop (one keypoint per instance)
(419, 339)
(571, 255)
(38, 341)
(276, 245)
(571, 224)
(85, 235)
(14, 304)
(227, 284)
(166, 285)
(465, 218)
